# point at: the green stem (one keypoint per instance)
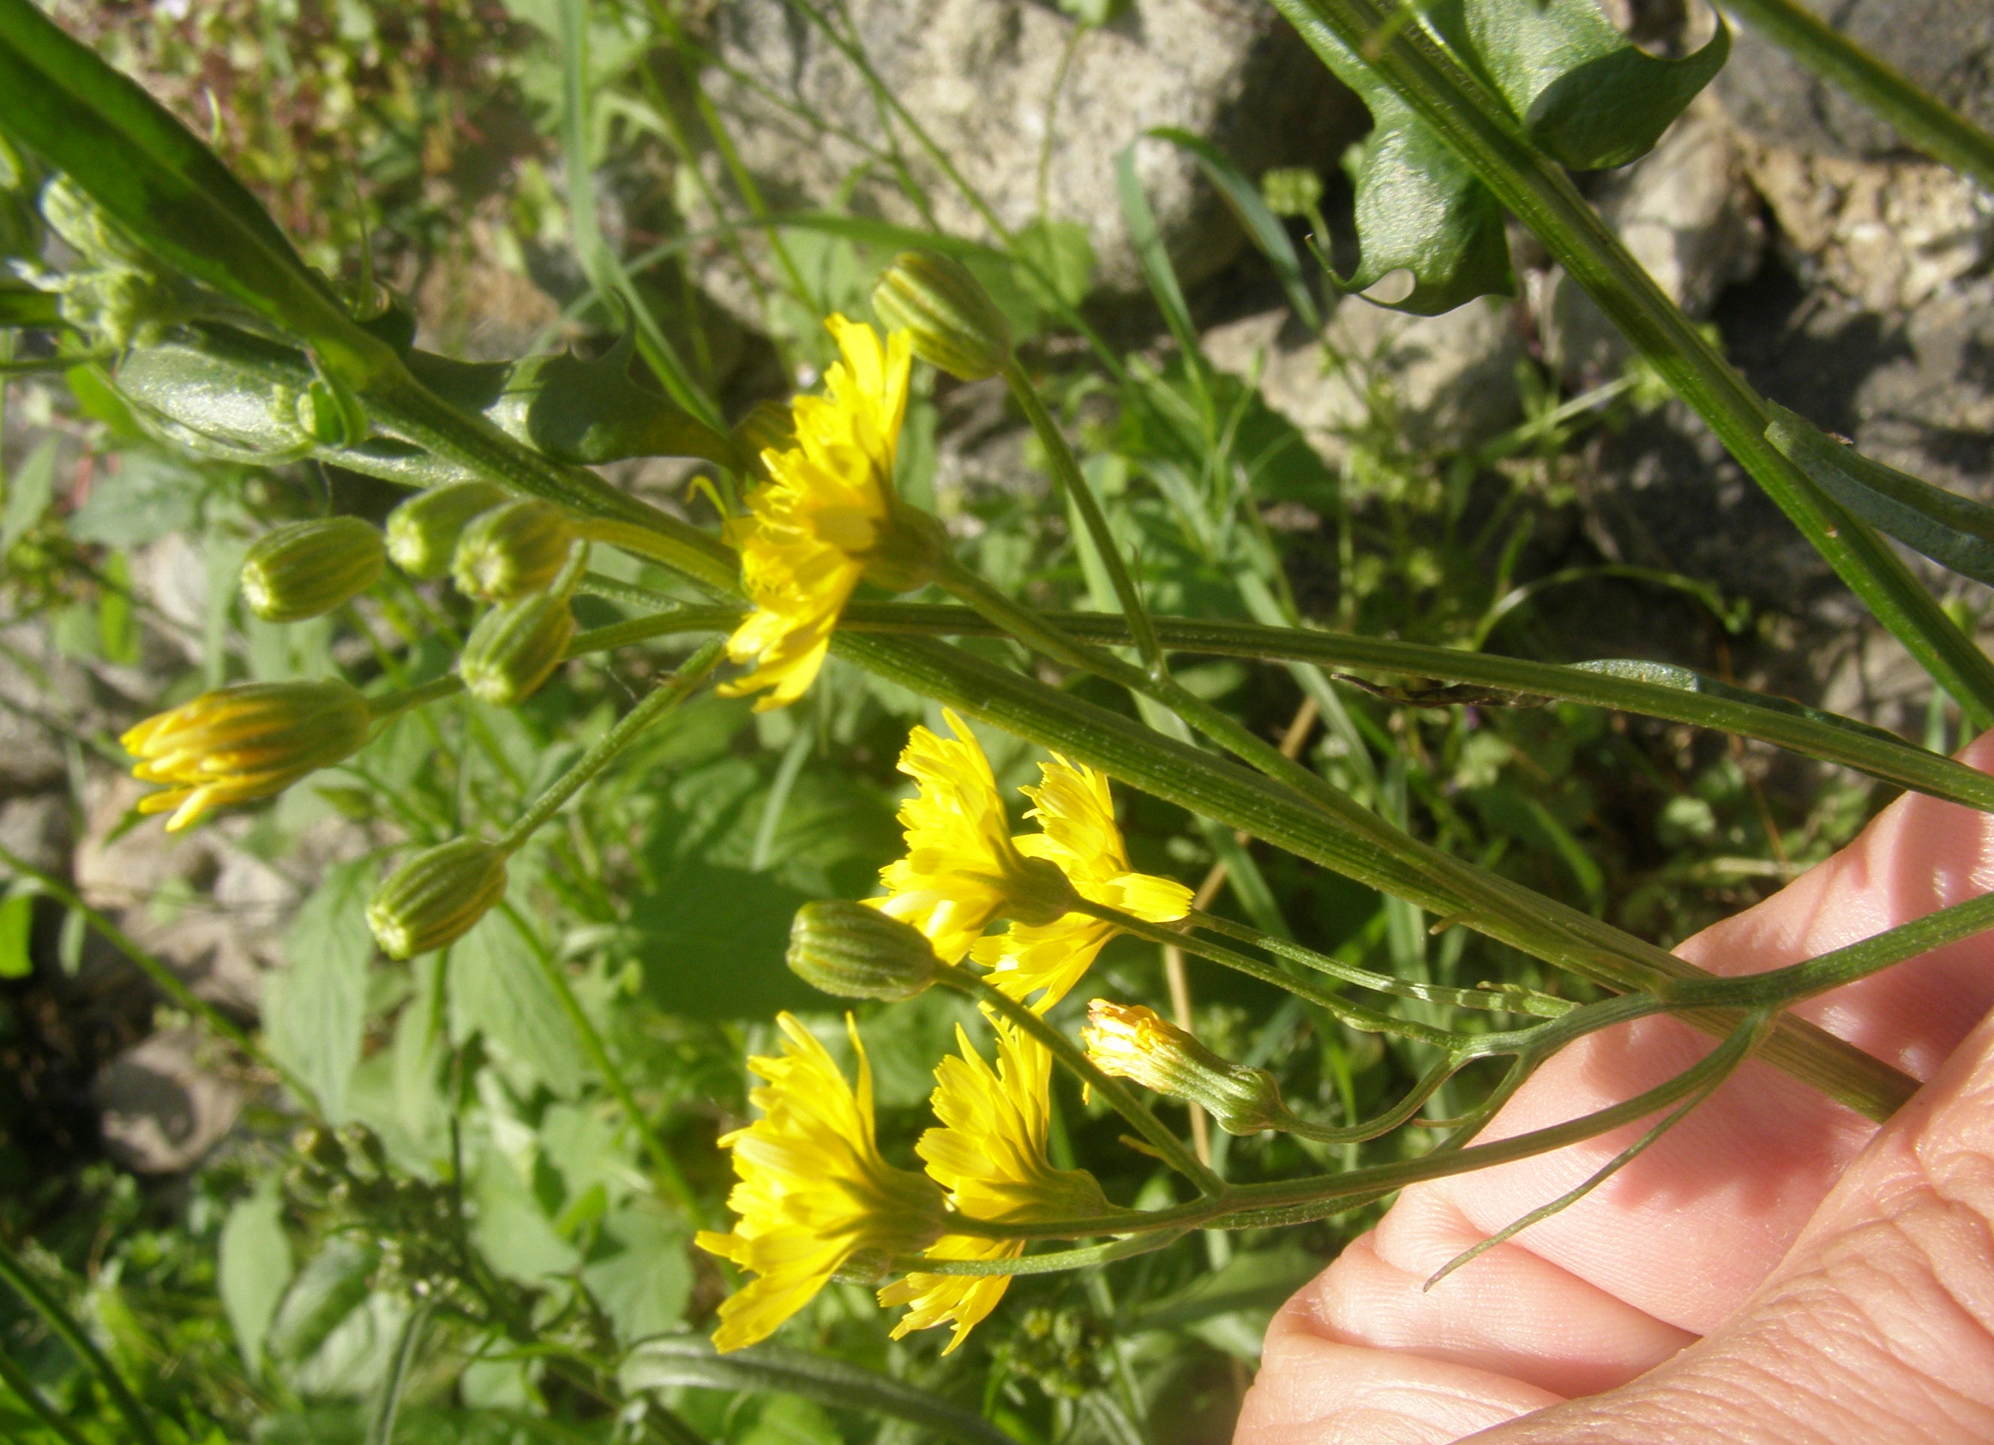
(1356, 1016)
(58, 1319)
(16, 1379)
(1072, 483)
(1940, 133)
(1119, 1096)
(1644, 689)
(1782, 987)
(661, 700)
(663, 1164)
(1542, 1005)
(1476, 126)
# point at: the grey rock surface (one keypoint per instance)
(1944, 46)
(1447, 378)
(162, 1107)
(991, 80)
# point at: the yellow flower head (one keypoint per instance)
(826, 515)
(813, 1190)
(1076, 818)
(962, 869)
(990, 1154)
(243, 743)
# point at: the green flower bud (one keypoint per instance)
(950, 316)
(515, 548)
(330, 415)
(850, 950)
(423, 532)
(436, 896)
(515, 647)
(1129, 1041)
(244, 742)
(308, 568)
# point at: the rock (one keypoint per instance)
(1946, 47)
(44, 699)
(1686, 213)
(162, 1111)
(38, 828)
(1889, 233)
(988, 80)
(1448, 379)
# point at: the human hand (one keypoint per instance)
(1773, 1268)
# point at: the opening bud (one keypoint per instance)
(423, 531)
(515, 648)
(852, 950)
(242, 743)
(515, 548)
(436, 896)
(953, 323)
(1129, 1041)
(308, 568)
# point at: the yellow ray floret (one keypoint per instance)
(826, 512)
(813, 1190)
(962, 869)
(990, 1155)
(1076, 818)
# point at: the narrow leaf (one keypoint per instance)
(28, 491)
(1261, 225)
(315, 1009)
(254, 1269)
(1943, 525)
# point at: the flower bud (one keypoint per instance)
(515, 647)
(852, 950)
(308, 568)
(949, 315)
(423, 531)
(515, 548)
(436, 896)
(244, 742)
(1129, 1041)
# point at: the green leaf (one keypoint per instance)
(255, 1268)
(498, 989)
(28, 492)
(1585, 94)
(117, 635)
(1578, 89)
(17, 914)
(589, 412)
(1242, 197)
(315, 1009)
(150, 174)
(327, 1290)
(639, 1272)
(22, 305)
(1056, 262)
(1950, 529)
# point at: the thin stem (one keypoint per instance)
(1530, 1002)
(1119, 1096)
(1072, 482)
(1782, 987)
(665, 1166)
(71, 1334)
(1939, 132)
(1355, 1016)
(690, 675)
(16, 1379)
